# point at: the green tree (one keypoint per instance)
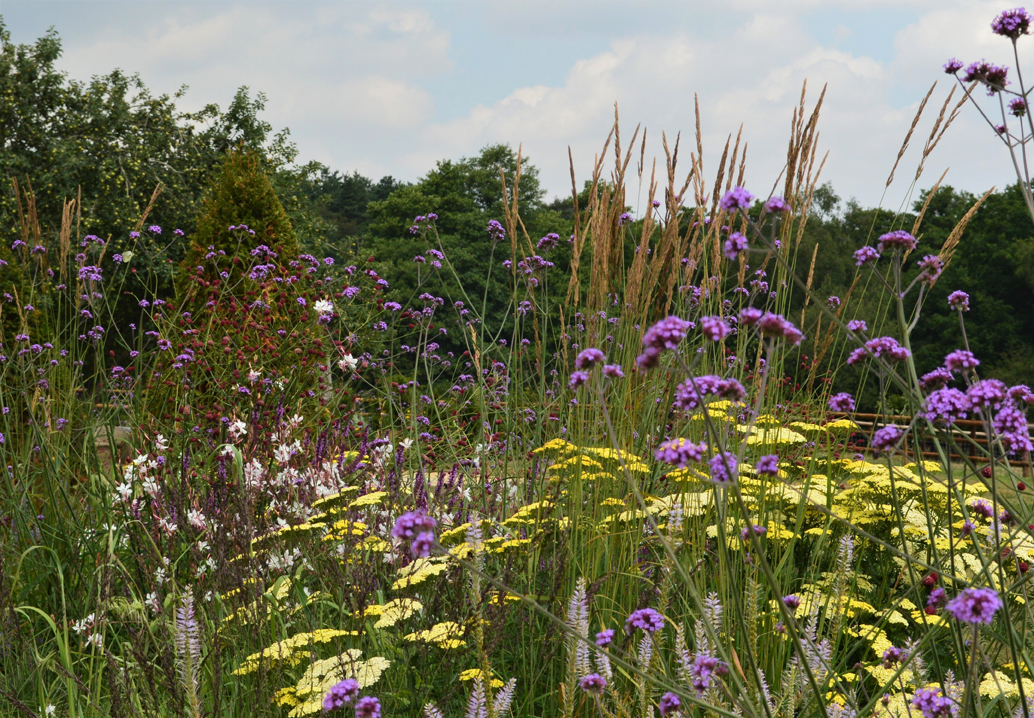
(241, 213)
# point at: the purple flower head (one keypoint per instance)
(368, 707)
(692, 392)
(991, 75)
(898, 239)
(791, 602)
(495, 231)
(892, 656)
(930, 268)
(937, 598)
(1010, 424)
(750, 316)
(624, 219)
(932, 704)
(411, 524)
(736, 198)
(664, 335)
(593, 683)
(952, 66)
(961, 359)
(776, 204)
(857, 325)
(703, 670)
(833, 303)
(982, 508)
(422, 545)
(604, 637)
(1001, 129)
(959, 300)
(1021, 393)
(1018, 107)
(646, 619)
(680, 452)
(724, 468)
(735, 244)
(578, 378)
(613, 371)
(967, 528)
(714, 328)
(936, 379)
(946, 406)
(1012, 23)
(758, 531)
(880, 347)
(841, 402)
(768, 465)
(865, 255)
(341, 693)
(975, 605)
(587, 358)
(550, 241)
(886, 439)
(669, 704)
(776, 325)
(986, 394)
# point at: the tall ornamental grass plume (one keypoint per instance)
(287, 492)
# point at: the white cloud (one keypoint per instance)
(393, 87)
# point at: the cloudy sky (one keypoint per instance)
(392, 87)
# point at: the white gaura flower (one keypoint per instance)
(253, 375)
(323, 306)
(348, 363)
(161, 443)
(238, 429)
(405, 444)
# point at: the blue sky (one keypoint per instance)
(392, 87)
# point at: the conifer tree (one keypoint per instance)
(241, 195)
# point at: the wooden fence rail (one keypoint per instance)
(972, 429)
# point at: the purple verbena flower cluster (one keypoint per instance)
(646, 619)
(664, 335)
(975, 605)
(680, 452)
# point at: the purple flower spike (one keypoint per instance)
(975, 605)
